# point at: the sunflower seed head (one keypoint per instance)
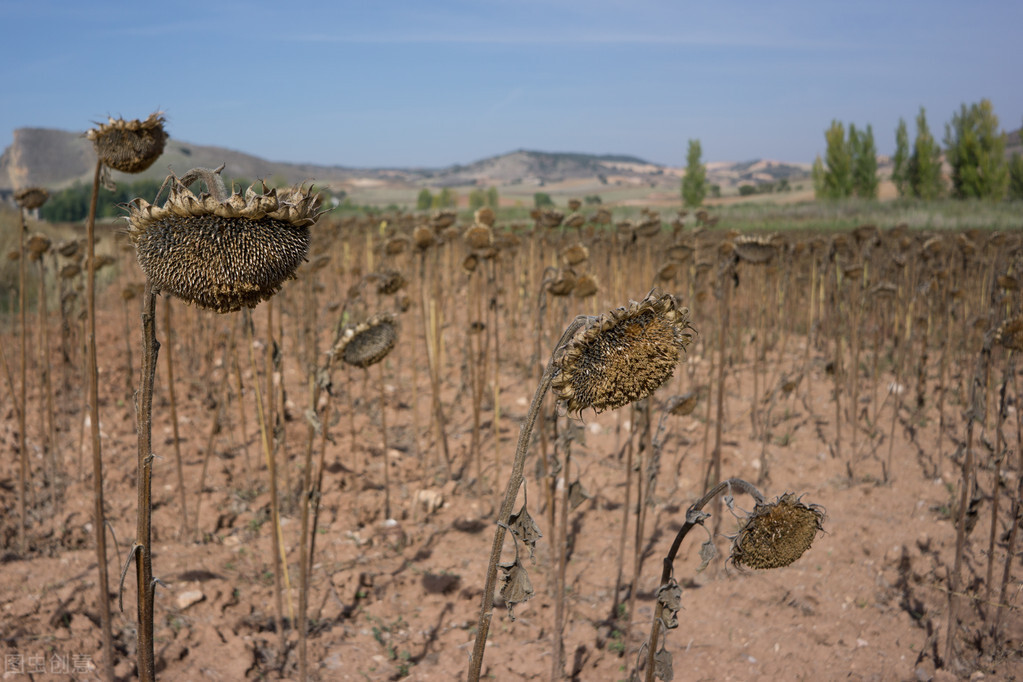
(575, 254)
(586, 286)
(479, 236)
(575, 220)
(390, 282)
(562, 284)
(395, 246)
(31, 197)
(368, 343)
(129, 146)
(223, 255)
(755, 249)
(423, 237)
(485, 216)
(685, 404)
(1010, 334)
(623, 355)
(38, 244)
(777, 533)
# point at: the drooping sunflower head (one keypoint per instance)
(368, 343)
(220, 252)
(129, 146)
(622, 356)
(31, 197)
(776, 533)
(755, 249)
(1010, 334)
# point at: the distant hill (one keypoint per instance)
(56, 159)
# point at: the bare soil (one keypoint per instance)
(399, 599)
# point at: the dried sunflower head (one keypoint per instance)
(38, 244)
(129, 146)
(623, 355)
(1010, 334)
(685, 404)
(423, 237)
(562, 284)
(755, 249)
(585, 286)
(550, 218)
(485, 216)
(776, 533)
(390, 282)
(667, 271)
(395, 246)
(31, 197)
(368, 343)
(575, 254)
(222, 253)
(479, 236)
(575, 220)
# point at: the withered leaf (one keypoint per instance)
(669, 596)
(707, 553)
(663, 669)
(696, 516)
(525, 529)
(517, 587)
(576, 495)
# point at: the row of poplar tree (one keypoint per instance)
(974, 151)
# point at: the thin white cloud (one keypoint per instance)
(592, 37)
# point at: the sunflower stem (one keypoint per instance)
(143, 532)
(99, 513)
(692, 519)
(507, 507)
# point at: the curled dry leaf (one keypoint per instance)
(663, 669)
(525, 529)
(669, 596)
(517, 587)
(707, 553)
(576, 495)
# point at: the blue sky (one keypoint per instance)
(373, 84)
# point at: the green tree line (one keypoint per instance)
(974, 149)
(72, 204)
